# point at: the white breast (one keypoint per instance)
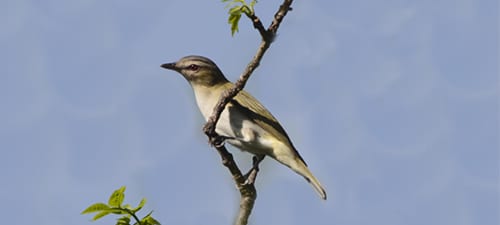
(206, 100)
(245, 134)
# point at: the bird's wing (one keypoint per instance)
(262, 117)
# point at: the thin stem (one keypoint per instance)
(133, 215)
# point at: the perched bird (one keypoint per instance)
(244, 123)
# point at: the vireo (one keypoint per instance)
(245, 123)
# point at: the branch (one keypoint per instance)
(278, 17)
(246, 187)
(267, 38)
(257, 24)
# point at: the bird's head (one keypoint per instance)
(198, 70)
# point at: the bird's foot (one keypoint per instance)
(218, 141)
(252, 174)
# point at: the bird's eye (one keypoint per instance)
(193, 67)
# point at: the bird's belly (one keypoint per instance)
(238, 130)
(251, 147)
(244, 134)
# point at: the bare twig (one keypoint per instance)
(257, 24)
(280, 14)
(247, 189)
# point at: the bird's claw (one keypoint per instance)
(252, 174)
(218, 141)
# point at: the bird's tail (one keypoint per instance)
(314, 182)
(300, 167)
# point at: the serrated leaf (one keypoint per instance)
(96, 208)
(100, 215)
(116, 199)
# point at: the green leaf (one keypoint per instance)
(152, 221)
(139, 207)
(118, 211)
(96, 208)
(115, 206)
(252, 4)
(233, 20)
(149, 220)
(116, 199)
(237, 7)
(235, 10)
(101, 214)
(123, 221)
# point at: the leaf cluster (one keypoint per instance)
(115, 206)
(236, 9)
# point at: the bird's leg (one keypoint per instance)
(218, 141)
(252, 173)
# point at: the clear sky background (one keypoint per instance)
(393, 104)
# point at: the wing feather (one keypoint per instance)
(263, 118)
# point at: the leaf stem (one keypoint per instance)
(130, 213)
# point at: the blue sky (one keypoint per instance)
(393, 104)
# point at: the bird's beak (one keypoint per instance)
(170, 66)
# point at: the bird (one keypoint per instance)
(244, 123)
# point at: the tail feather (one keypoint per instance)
(297, 164)
(300, 167)
(315, 183)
